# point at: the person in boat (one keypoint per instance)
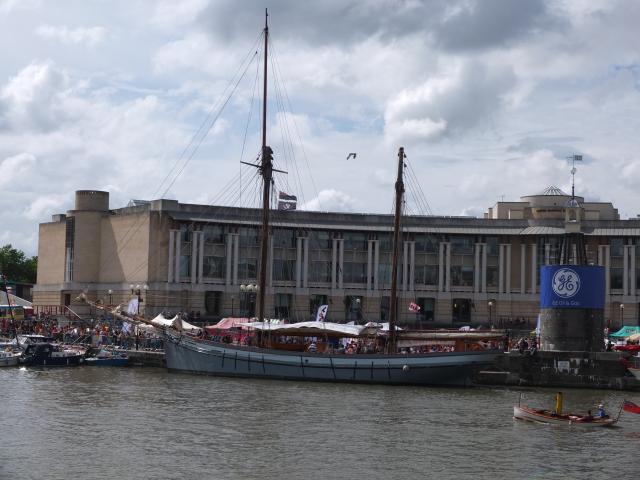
(601, 411)
(312, 348)
(588, 417)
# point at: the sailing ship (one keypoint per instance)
(185, 352)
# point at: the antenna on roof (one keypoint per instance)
(574, 159)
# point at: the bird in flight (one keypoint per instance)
(351, 155)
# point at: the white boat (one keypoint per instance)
(9, 359)
(538, 415)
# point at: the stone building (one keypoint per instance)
(460, 270)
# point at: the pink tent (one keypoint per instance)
(226, 324)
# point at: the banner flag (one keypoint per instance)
(628, 406)
(132, 308)
(286, 205)
(286, 196)
(322, 313)
(414, 307)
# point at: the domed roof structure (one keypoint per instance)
(553, 191)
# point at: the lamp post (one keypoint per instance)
(490, 304)
(137, 292)
(622, 314)
(110, 297)
(358, 309)
(247, 292)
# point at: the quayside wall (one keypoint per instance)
(603, 370)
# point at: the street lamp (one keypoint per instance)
(247, 292)
(110, 297)
(137, 292)
(622, 314)
(490, 304)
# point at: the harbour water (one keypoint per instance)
(99, 423)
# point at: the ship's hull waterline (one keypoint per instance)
(189, 355)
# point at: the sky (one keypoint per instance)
(488, 97)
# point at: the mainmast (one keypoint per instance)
(391, 346)
(266, 170)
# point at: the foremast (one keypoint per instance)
(266, 170)
(392, 343)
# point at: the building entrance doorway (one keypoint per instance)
(461, 310)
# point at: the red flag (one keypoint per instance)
(414, 307)
(628, 406)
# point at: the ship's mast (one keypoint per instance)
(266, 170)
(391, 345)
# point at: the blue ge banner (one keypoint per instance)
(571, 286)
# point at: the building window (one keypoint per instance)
(320, 271)
(462, 245)
(247, 268)
(283, 305)
(185, 265)
(461, 310)
(214, 267)
(426, 275)
(461, 276)
(427, 243)
(284, 270)
(284, 238)
(214, 234)
(249, 237)
(616, 278)
(492, 276)
(355, 241)
(354, 272)
(384, 274)
(319, 240)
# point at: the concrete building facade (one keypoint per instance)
(460, 270)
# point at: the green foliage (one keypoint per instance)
(17, 266)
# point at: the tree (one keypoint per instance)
(16, 266)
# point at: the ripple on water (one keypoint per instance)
(95, 423)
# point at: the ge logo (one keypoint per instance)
(566, 283)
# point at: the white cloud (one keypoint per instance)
(17, 170)
(172, 14)
(42, 207)
(331, 201)
(88, 36)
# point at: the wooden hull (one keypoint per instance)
(545, 416)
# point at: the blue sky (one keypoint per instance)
(487, 97)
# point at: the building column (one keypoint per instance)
(334, 264)
(298, 262)
(172, 263)
(178, 246)
(376, 263)
(270, 262)
(305, 264)
(412, 264)
(405, 265)
(534, 268)
(601, 255)
(201, 259)
(369, 263)
(632, 270)
(625, 270)
(448, 267)
(476, 269)
(236, 257)
(547, 253)
(501, 269)
(441, 267)
(484, 268)
(341, 264)
(195, 238)
(229, 272)
(523, 267)
(508, 269)
(607, 273)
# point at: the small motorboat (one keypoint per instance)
(52, 355)
(9, 358)
(109, 358)
(556, 417)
